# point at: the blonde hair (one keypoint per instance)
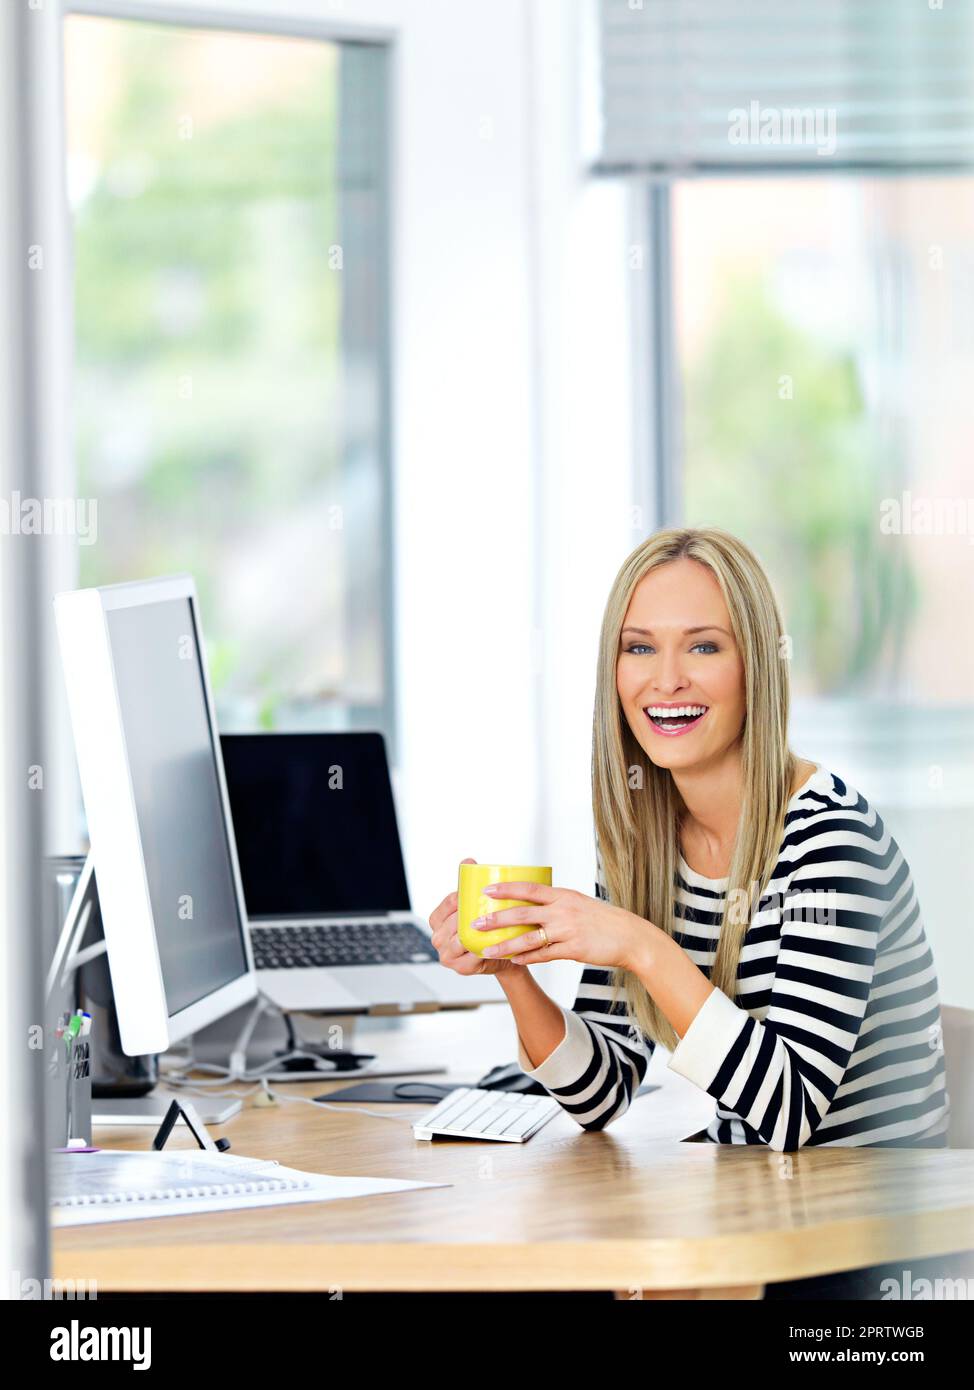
(636, 826)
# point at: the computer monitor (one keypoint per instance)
(155, 797)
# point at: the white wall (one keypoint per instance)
(594, 510)
(512, 276)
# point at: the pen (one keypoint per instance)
(71, 1032)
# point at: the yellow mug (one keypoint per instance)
(472, 902)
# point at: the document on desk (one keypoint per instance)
(130, 1185)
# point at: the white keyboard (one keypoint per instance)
(472, 1113)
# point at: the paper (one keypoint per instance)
(132, 1185)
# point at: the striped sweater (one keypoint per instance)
(834, 1036)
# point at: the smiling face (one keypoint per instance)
(679, 672)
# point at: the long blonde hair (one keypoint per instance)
(636, 805)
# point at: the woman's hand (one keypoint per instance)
(443, 922)
(577, 927)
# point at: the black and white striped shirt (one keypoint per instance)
(835, 1033)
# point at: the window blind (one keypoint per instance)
(722, 85)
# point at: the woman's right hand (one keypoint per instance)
(453, 954)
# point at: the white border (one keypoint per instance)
(144, 1021)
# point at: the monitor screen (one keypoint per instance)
(315, 824)
(172, 762)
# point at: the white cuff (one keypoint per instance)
(700, 1053)
(570, 1059)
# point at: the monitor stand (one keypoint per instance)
(261, 1036)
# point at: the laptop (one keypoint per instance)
(331, 924)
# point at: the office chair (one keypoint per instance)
(958, 1026)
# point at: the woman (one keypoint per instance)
(752, 913)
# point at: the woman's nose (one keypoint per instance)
(669, 675)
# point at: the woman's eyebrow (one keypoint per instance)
(687, 631)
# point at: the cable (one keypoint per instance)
(239, 1071)
(326, 1105)
(199, 1091)
(191, 1087)
(180, 1076)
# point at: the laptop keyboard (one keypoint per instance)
(310, 944)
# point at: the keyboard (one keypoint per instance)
(472, 1113)
(366, 942)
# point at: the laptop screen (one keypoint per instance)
(315, 824)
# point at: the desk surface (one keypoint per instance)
(628, 1208)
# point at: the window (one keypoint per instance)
(822, 364)
(823, 332)
(231, 345)
(809, 208)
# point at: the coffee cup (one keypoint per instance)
(473, 902)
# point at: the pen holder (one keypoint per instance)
(69, 1073)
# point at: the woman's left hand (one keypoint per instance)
(577, 927)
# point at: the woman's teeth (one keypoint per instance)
(675, 719)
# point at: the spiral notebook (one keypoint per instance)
(130, 1185)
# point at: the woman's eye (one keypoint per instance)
(638, 647)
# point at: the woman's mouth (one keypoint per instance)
(673, 720)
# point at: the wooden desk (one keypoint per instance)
(631, 1209)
